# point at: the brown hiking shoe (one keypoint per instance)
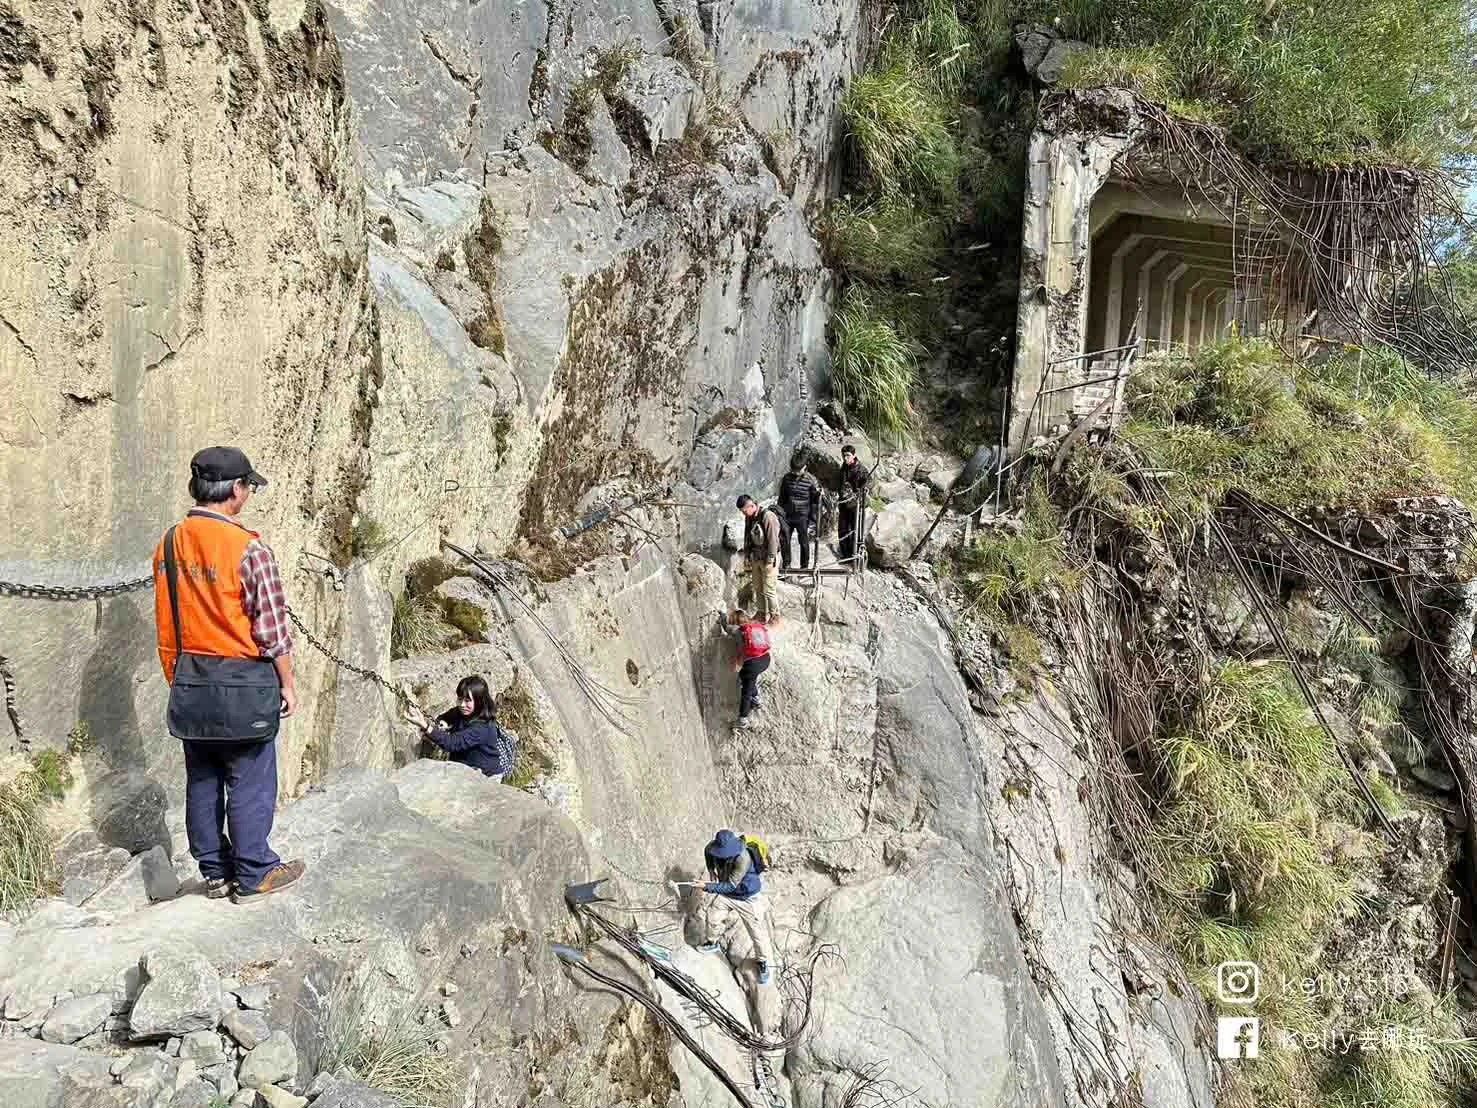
(277, 879)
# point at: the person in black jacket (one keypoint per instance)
(800, 500)
(853, 495)
(469, 733)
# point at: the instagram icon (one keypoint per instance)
(1238, 982)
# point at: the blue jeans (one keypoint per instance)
(231, 785)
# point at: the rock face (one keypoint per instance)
(181, 993)
(128, 811)
(895, 531)
(270, 1062)
(181, 263)
(76, 1018)
(247, 1028)
(30, 1072)
(935, 949)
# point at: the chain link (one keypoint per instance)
(369, 674)
(96, 592)
(73, 592)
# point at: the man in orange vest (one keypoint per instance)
(221, 615)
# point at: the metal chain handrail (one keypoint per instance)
(73, 592)
(361, 671)
(96, 592)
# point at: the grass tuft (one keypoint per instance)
(389, 1050)
(517, 712)
(53, 773)
(367, 538)
(1001, 570)
(877, 240)
(1142, 69)
(27, 864)
(416, 627)
(1347, 433)
(872, 367)
(901, 129)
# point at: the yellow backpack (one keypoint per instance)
(758, 852)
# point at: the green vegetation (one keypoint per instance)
(872, 367)
(386, 1050)
(1348, 432)
(424, 575)
(517, 712)
(1002, 570)
(466, 617)
(1023, 649)
(1376, 80)
(416, 627)
(884, 239)
(937, 130)
(27, 866)
(900, 126)
(367, 538)
(1255, 853)
(53, 772)
(929, 233)
(1248, 775)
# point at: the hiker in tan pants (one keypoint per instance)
(762, 549)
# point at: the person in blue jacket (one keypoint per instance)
(469, 733)
(737, 890)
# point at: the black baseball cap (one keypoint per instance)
(224, 463)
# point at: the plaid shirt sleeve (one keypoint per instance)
(265, 600)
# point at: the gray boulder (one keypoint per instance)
(1043, 53)
(160, 880)
(941, 479)
(823, 457)
(128, 811)
(893, 491)
(346, 1092)
(935, 949)
(181, 993)
(895, 532)
(87, 865)
(254, 997)
(194, 1094)
(247, 1028)
(269, 1062)
(203, 1048)
(149, 1072)
(223, 1077)
(280, 1098)
(30, 1072)
(73, 1019)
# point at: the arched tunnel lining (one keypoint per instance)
(1171, 283)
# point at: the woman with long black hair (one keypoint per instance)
(469, 733)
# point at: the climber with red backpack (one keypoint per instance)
(752, 660)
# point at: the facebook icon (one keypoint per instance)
(1238, 1037)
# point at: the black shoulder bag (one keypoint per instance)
(210, 697)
